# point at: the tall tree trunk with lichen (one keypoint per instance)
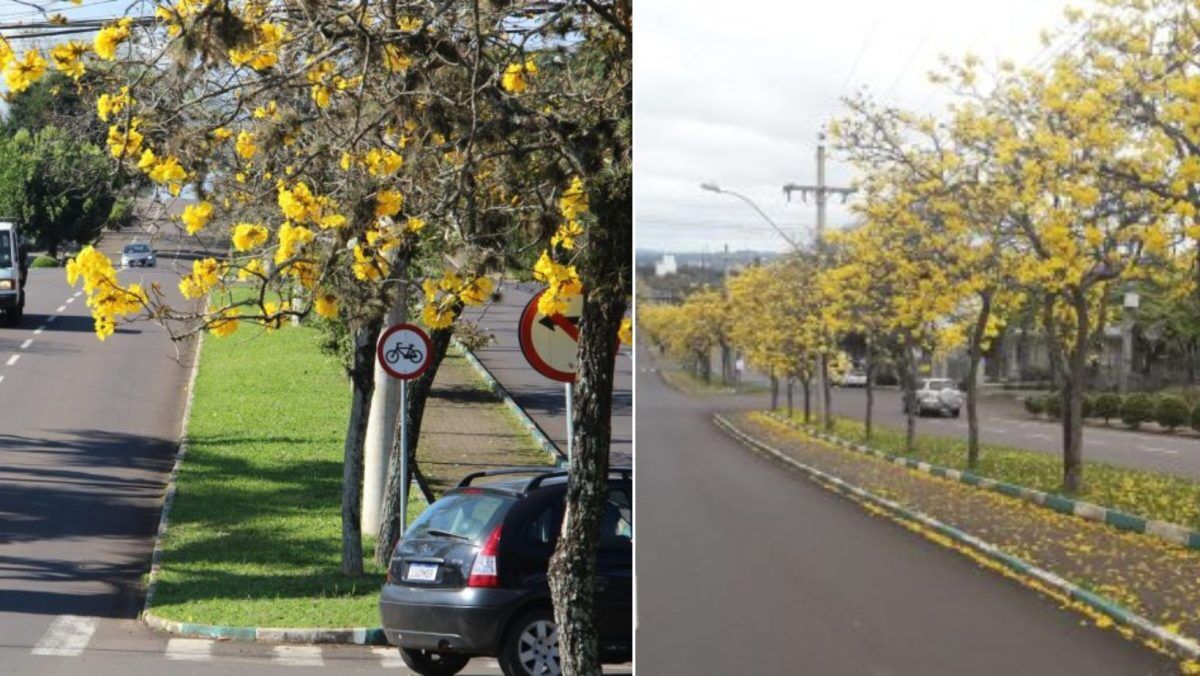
(605, 271)
(364, 333)
(974, 356)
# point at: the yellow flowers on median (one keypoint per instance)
(246, 236)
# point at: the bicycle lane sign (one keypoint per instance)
(550, 343)
(403, 351)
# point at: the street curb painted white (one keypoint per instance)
(1173, 643)
(351, 635)
(169, 495)
(499, 390)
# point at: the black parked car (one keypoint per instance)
(469, 577)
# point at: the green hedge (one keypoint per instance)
(44, 262)
(1107, 406)
(1137, 408)
(1034, 404)
(1171, 411)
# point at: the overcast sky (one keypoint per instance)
(737, 96)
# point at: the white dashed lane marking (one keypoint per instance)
(13, 359)
(51, 319)
(194, 649)
(1156, 449)
(61, 308)
(71, 299)
(298, 656)
(27, 343)
(77, 294)
(39, 329)
(389, 658)
(67, 636)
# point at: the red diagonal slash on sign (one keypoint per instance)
(566, 325)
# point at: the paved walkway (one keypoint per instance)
(466, 428)
(542, 398)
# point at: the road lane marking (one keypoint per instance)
(389, 658)
(71, 299)
(13, 359)
(67, 636)
(298, 656)
(194, 649)
(1039, 436)
(1, 379)
(61, 308)
(39, 329)
(51, 318)
(77, 294)
(27, 343)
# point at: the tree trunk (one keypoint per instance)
(1072, 404)
(827, 393)
(974, 354)
(364, 333)
(418, 394)
(606, 275)
(726, 364)
(790, 382)
(868, 420)
(774, 391)
(909, 377)
(808, 401)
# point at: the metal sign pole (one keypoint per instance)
(403, 457)
(570, 391)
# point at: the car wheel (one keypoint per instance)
(531, 646)
(432, 662)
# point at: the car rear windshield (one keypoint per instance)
(5, 249)
(939, 384)
(465, 515)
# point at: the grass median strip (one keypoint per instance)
(255, 531)
(1153, 495)
(1156, 579)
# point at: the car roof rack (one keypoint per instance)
(542, 473)
(466, 481)
(624, 472)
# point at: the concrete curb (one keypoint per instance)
(1179, 646)
(352, 635)
(1171, 532)
(532, 427)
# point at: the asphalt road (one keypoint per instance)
(745, 567)
(544, 399)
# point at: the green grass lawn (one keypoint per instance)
(1153, 495)
(255, 532)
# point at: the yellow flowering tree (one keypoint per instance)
(345, 151)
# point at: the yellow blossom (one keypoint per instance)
(326, 305)
(388, 202)
(248, 235)
(252, 267)
(625, 333)
(477, 292)
(383, 162)
(111, 36)
(574, 201)
(395, 59)
(245, 145)
(68, 58)
(196, 216)
(566, 234)
(21, 74)
(263, 53)
(514, 78)
(124, 142)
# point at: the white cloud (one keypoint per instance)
(736, 95)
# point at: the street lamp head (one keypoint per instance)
(711, 187)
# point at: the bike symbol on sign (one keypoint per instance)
(409, 352)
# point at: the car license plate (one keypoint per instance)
(422, 572)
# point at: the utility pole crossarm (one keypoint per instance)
(820, 191)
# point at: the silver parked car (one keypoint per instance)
(138, 253)
(938, 395)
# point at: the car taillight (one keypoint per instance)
(483, 571)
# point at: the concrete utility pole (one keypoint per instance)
(381, 428)
(820, 193)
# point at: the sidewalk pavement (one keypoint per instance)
(542, 398)
(466, 428)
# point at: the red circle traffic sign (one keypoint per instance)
(404, 351)
(550, 343)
